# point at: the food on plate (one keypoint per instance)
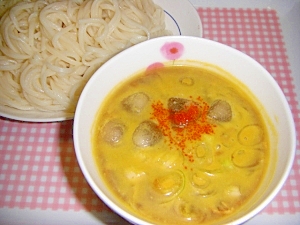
(50, 48)
(194, 152)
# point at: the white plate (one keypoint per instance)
(181, 18)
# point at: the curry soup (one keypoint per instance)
(181, 145)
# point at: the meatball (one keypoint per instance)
(146, 134)
(136, 102)
(183, 111)
(112, 132)
(177, 104)
(220, 111)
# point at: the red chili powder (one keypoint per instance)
(193, 120)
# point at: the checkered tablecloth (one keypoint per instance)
(38, 167)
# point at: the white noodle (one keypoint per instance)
(50, 48)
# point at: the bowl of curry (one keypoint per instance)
(184, 130)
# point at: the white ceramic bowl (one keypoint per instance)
(244, 68)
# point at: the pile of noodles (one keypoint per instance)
(49, 49)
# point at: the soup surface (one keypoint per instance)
(181, 144)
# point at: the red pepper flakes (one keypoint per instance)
(192, 120)
(183, 117)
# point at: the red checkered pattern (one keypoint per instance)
(38, 167)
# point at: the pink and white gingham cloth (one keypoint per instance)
(38, 167)
(257, 33)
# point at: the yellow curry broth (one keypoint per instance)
(214, 170)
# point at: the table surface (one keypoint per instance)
(40, 180)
